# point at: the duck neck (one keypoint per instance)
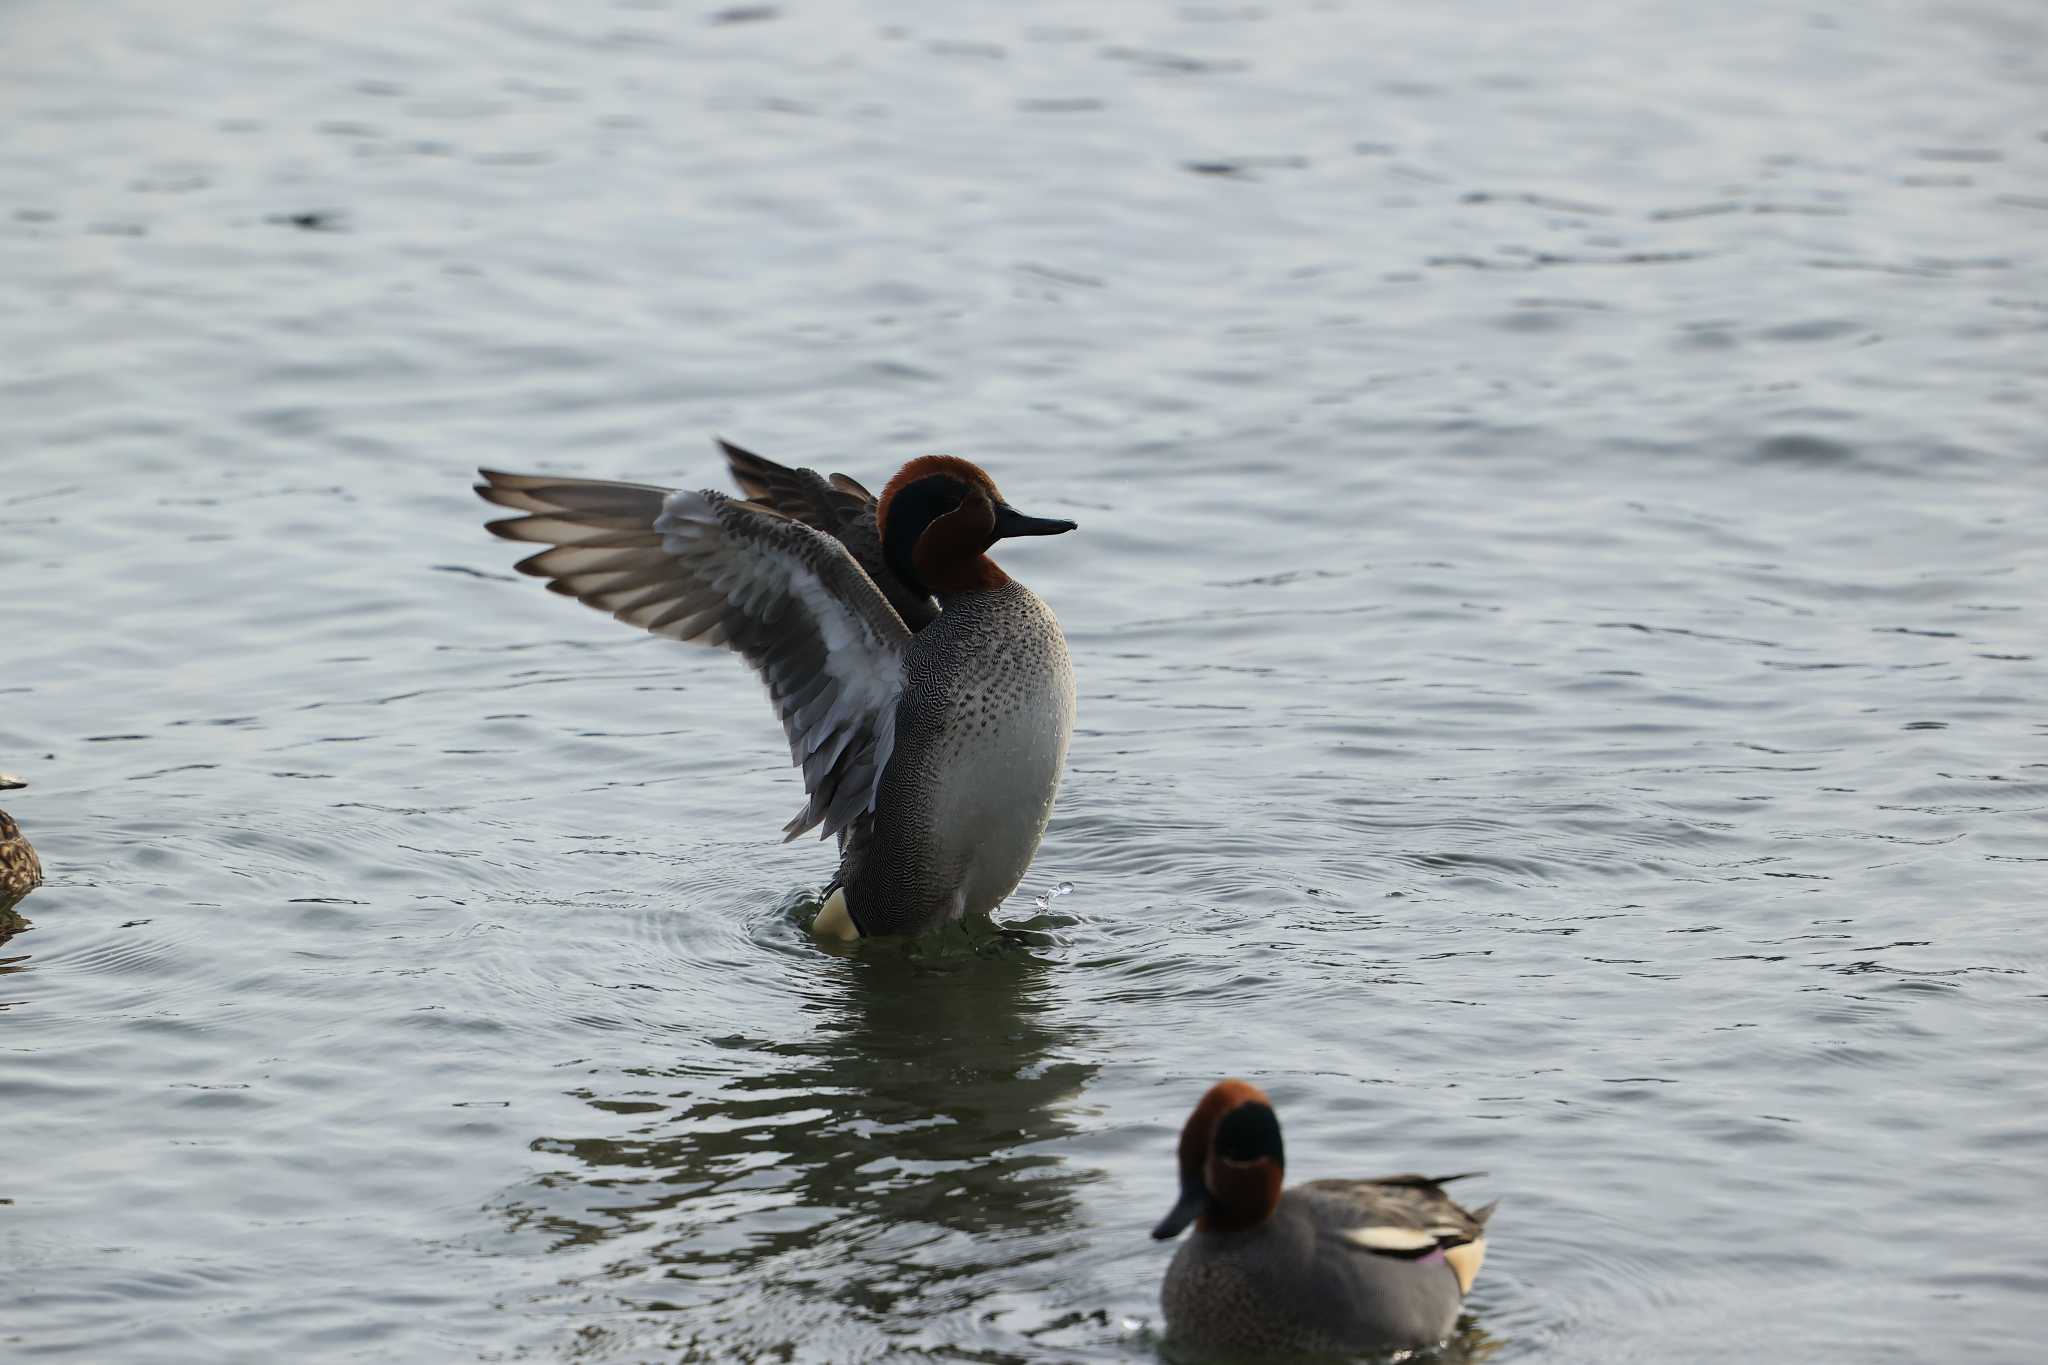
(967, 580)
(1242, 1194)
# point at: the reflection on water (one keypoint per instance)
(885, 1165)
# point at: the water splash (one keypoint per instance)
(1044, 899)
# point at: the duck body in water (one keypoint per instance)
(926, 694)
(1327, 1267)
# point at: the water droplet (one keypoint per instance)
(1045, 898)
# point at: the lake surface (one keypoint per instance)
(1559, 613)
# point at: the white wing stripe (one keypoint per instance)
(1389, 1238)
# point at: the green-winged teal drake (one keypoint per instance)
(931, 733)
(1328, 1266)
(20, 871)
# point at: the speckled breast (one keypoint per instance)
(980, 746)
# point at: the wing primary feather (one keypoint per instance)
(752, 576)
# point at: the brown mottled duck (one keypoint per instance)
(20, 873)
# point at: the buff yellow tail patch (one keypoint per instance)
(834, 921)
(1464, 1262)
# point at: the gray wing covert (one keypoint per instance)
(710, 569)
(1398, 1214)
(839, 507)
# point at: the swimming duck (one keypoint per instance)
(1330, 1266)
(20, 871)
(931, 733)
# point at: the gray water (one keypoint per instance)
(1558, 613)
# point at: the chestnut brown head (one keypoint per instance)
(1232, 1162)
(938, 517)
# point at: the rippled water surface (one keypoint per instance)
(1558, 612)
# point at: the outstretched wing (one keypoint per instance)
(715, 570)
(839, 507)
